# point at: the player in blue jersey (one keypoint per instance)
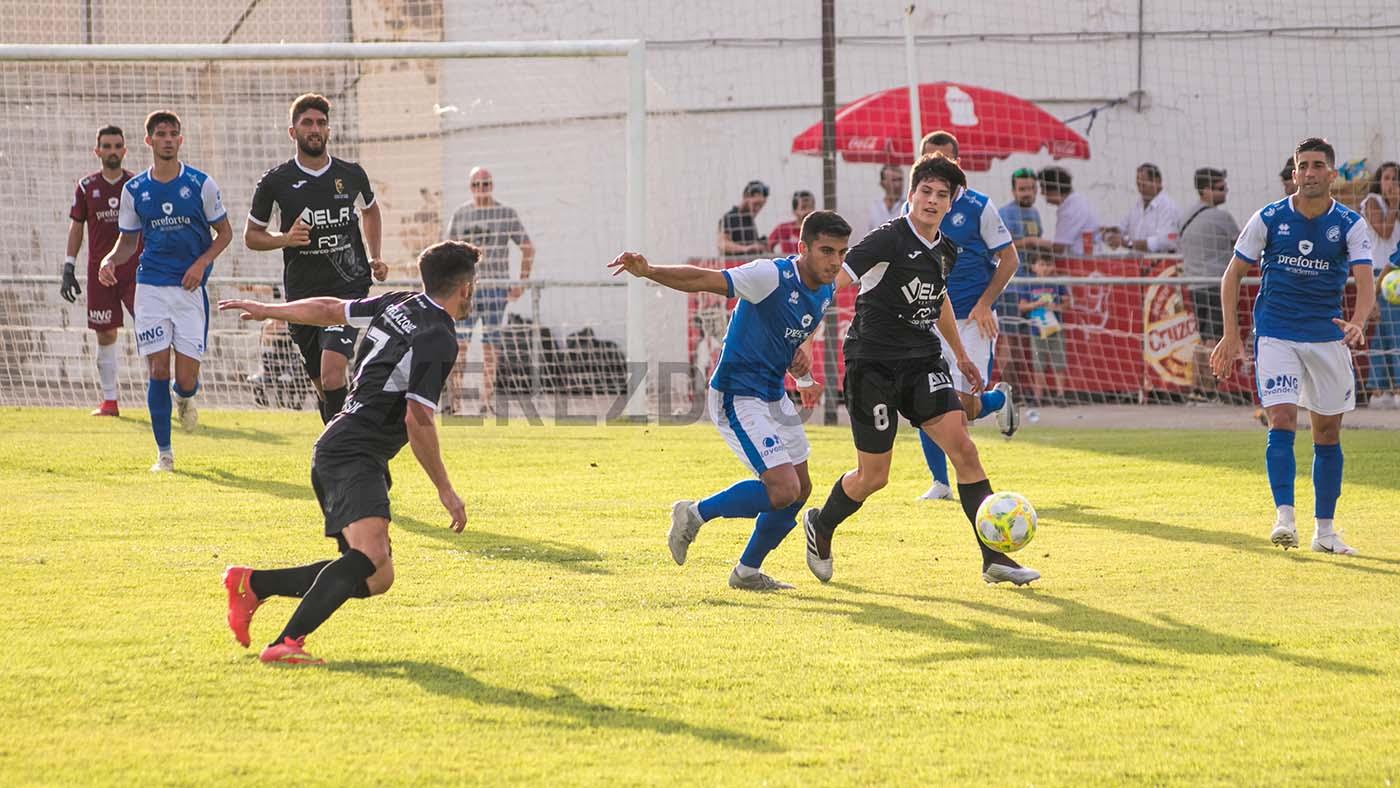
(781, 302)
(1305, 246)
(176, 210)
(987, 260)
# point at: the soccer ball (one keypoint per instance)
(1006, 522)
(1390, 287)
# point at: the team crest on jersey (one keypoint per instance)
(958, 219)
(112, 202)
(806, 321)
(1283, 229)
(1305, 246)
(794, 298)
(339, 186)
(167, 208)
(1334, 233)
(184, 192)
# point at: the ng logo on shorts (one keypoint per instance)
(1280, 384)
(150, 335)
(100, 315)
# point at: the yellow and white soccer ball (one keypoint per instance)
(1006, 522)
(1390, 287)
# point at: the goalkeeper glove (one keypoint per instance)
(71, 289)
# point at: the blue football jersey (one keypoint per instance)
(975, 226)
(776, 313)
(1305, 264)
(174, 220)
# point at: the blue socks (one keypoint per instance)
(992, 401)
(768, 533)
(934, 456)
(1282, 467)
(158, 403)
(745, 499)
(1327, 479)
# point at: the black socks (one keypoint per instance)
(338, 581)
(837, 508)
(334, 400)
(971, 496)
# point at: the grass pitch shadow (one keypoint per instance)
(574, 558)
(1096, 518)
(985, 639)
(563, 704)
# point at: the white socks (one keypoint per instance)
(744, 571)
(1285, 515)
(1324, 527)
(107, 370)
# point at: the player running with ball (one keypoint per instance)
(895, 364)
(781, 303)
(1306, 246)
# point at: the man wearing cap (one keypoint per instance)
(738, 235)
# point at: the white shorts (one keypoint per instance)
(761, 434)
(172, 315)
(979, 350)
(1315, 375)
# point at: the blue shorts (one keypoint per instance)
(489, 305)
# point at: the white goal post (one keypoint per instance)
(32, 76)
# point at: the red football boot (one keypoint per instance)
(289, 652)
(241, 601)
(107, 408)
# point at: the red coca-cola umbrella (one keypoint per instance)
(988, 124)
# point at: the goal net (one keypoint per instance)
(551, 123)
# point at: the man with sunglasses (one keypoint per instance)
(492, 228)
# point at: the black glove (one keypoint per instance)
(71, 289)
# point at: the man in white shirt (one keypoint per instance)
(891, 205)
(1074, 214)
(1153, 222)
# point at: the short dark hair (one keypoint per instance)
(1376, 179)
(799, 195)
(447, 265)
(939, 137)
(308, 101)
(824, 223)
(109, 130)
(755, 187)
(1022, 172)
(1206, 176)
(1153, 171)
(1057, 179)
(937, 167)
(162, 116)
(1319, 145)
(897, 169)
(1287, 172)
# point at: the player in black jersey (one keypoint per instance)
(323, 253)
(409, 349)
(895, 367)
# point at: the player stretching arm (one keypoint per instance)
(409, 349)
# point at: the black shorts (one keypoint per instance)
(349, 489)
(878, 392)
(1210, 318)
(311, 340)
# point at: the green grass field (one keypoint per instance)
(556, 642)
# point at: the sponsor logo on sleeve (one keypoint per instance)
(1334, 233)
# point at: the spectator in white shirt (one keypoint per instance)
(1076, 221)
(891, 205)
(1153, 222)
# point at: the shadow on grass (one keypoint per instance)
(293, 492)
(987, 640)
(564, 703)
(486, 544)
(245, 433)
(1095, 518)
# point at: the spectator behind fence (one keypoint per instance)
(491, 227)
(738, 235)
(1022, 218)
(1041, 303)
(1076, 221)
(891, 204)
(1381, 207)
(1152, 223)
(1207, 242)
(1286, 176)
(783, 240)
